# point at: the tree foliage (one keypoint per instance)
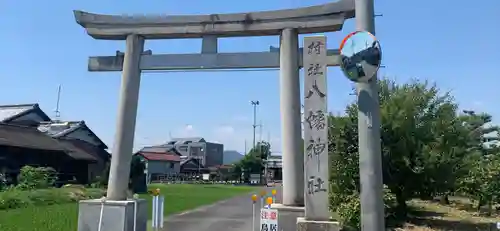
(253, 161)
(429, 148)
(137, 167)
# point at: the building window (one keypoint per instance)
(195, 151)
(171, 165)
(183, 148)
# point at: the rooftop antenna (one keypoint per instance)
(57, 112)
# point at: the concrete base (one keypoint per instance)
(287, 216)
(117, 215)
(306, 225)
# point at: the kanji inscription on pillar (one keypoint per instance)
(315, 129)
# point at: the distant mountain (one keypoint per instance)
(231, 156)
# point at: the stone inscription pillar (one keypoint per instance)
(315, 129)
(317, 214)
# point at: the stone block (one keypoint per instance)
(116, 216)
(287, 216)
(309, 225)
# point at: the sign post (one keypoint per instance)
(268, 219)
(158, 203)
(254, 200)
(262, 195)
(315, 129)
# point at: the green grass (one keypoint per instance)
(180, 197)
(64, 217)
(40, 218)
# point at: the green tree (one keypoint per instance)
(419, 142)
(253, 161)
(137, 167)
(137, 179)
(481, 181)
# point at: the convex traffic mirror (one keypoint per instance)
(361, 56)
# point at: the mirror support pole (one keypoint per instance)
(370, 159)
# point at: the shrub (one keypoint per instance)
(36, 177)
(348, 208)
(16, 198)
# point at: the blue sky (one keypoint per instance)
(447, 42)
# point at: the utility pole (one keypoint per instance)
(370, 159)
(254, 104)
(260, 131)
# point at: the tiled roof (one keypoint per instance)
(59, 128)
(191, 160)
(160, 156)
(76, 152)
(63, 128)
(19, 136)
(226, 166)
(27, 137)
(179, 141)
(9, 112)
(89, 148)
(160, 149)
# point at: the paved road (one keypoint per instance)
(233, 214)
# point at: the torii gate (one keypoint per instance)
(286, 23)
(288, 58)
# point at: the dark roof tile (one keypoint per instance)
(27, 137)
(63, 128)
(160, 156)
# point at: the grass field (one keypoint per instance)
(64, 217)
(458, 216)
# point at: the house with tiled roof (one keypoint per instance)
(160, 161)
(33, 115)
(71, 133)
(24, 145)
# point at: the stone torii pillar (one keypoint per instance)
(291, 130)
(126, 118)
